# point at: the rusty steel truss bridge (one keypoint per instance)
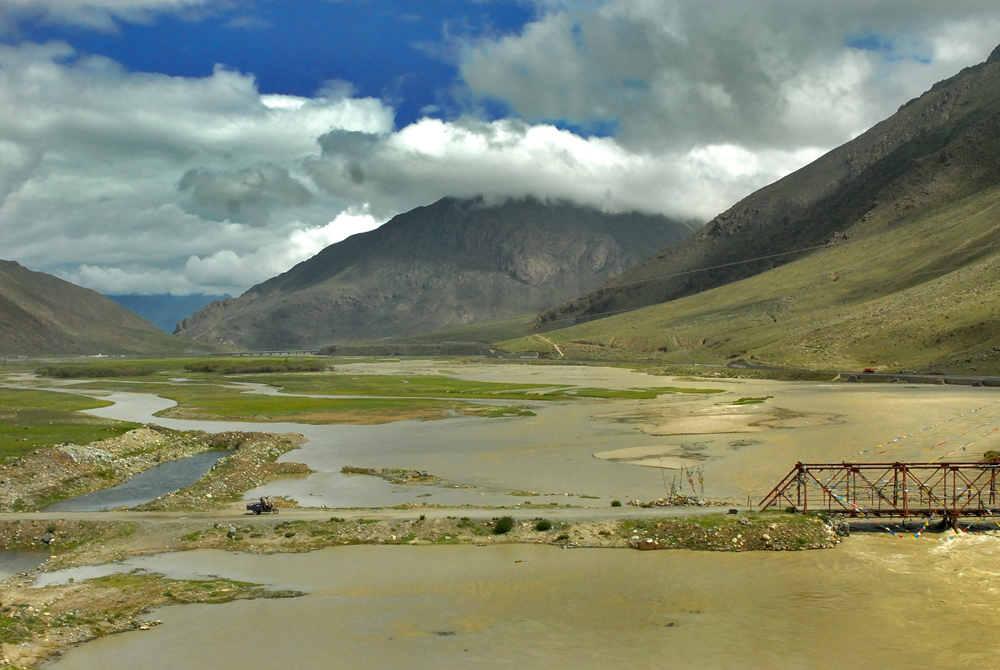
(877, 490)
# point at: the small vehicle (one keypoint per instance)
(262, 506)
(868, 371)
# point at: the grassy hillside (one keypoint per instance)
(43, 315)
(936, 150)
(919, 290)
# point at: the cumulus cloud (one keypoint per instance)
(135, 182)
(244, 196)
(225, 270)
(432, 158)
(94, 14)
(108, 169)
(759, 73)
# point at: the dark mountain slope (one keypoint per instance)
(936, 150)
(449, 264)
(163, 309)
(44, 315)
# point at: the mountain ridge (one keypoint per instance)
(447, 264)
(952, 129)
(41, 314)
(898, 261)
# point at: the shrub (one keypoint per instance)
(616, 503)
(504, 524)
(85, 371)
(255, 365)
(543, 524)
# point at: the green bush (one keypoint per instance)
(89, 371)
(503, 525)
(233, 366)
(616, 503)
(543, 525)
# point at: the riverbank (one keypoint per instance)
(45, 476)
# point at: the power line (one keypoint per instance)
(760, 258)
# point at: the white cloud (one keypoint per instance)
(760, 73)
(225, 270)
(101, 169)
(96, 14)
(432, 158)
(130, 182)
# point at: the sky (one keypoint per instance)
(204, 146)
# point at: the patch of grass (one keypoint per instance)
(31, 419)
(493, 412)
(241, 365)
(752, 401)
(220, 401)
(632, 394)
(129, 369)
(409, 386)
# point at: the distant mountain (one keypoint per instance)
(884, 252)
(163, 309)
(447, 265)
(44, 315)
(937, 149)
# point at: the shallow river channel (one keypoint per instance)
(876, 601)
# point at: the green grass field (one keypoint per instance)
(221, 401)
(33, 419)
(213, 396)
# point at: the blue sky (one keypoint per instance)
(204, 146)
(401, 52)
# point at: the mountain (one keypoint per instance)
(899, 268)
(163, 309)
(936, 150)
(44, 315)
(442, 266)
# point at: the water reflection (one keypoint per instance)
(145, 486)
(13, 562)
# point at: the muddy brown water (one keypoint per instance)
(553, 453)
(875, 602)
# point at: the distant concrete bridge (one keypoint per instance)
(276, 352)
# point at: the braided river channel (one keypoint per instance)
(875, 601)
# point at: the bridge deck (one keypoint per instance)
(951, 490)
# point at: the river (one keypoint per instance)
(874, 602)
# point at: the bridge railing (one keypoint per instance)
(952, 490)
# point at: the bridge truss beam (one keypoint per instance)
(904, 490)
